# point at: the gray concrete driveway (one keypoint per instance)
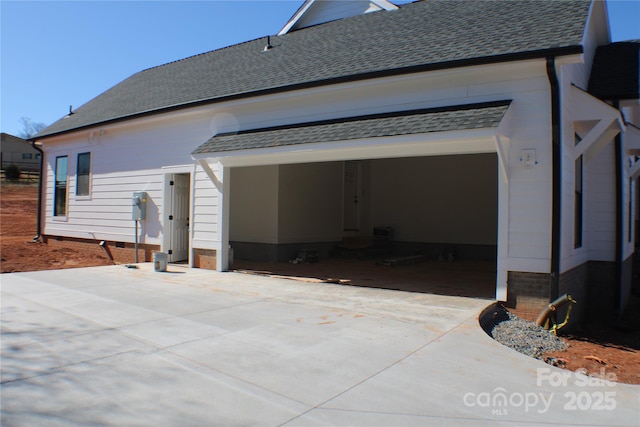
(117, 346)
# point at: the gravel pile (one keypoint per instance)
(526, 337)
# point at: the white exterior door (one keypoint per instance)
(179, 217)
(351, 204)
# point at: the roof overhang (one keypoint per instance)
(467, 129)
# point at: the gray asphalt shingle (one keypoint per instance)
(431, 34)
(463, 117)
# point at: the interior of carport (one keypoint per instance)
(429, 177)
(421, 224)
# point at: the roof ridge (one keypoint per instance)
(365, 46)
(263, 37)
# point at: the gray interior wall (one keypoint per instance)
(310, 202)
(254, 204)
(443, 199)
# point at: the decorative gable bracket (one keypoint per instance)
(598, 122)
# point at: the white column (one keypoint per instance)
(503, 232)
(224, 189)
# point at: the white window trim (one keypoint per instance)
(84, 197)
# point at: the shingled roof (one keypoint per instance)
(615, 74)
(421, 36)
(442, 119)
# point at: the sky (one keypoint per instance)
(56, 54)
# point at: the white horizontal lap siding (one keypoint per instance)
(425, 90)
(332, 10)
(530, 187)
(125, 159)
(106, 213)
(205, 211)
(596, 34)
(600, 206)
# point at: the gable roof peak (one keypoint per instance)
(315, 12)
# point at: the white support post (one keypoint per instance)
(502, 159)
(503, 236)
(222, 182)
(222, 256)
(210, 173)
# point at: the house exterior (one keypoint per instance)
(19, 152)
(477, 126)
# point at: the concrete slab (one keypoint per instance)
(118, 346)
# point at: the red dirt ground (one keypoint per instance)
(18, 252)
(610, 348)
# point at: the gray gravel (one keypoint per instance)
(526, 337)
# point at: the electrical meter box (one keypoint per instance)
(139, 206)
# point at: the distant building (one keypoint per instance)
(14, 150)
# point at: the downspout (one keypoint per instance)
(38, 219)
(556, 155)
(619, 222)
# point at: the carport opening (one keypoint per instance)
(420, 224)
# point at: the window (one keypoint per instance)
(37, 155)
(83, 174)
(60, 195)
(27, 156)
(578, 211)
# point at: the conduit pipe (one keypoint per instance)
(556, 209)
(39, 217)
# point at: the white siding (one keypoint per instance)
(599, 204)
(205, 216)
(130, 157)
(124, 159)
(328, 10)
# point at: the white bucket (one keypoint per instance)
(159, 261)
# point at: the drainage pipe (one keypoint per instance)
(552, 309)
(39, 219)
(556, 154)
(136, 239)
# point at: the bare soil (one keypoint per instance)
(18, 252)
(603, 347)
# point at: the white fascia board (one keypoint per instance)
(374, 6)
(296, 17)
(384, 4)
(577, 58)
(473, 141)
